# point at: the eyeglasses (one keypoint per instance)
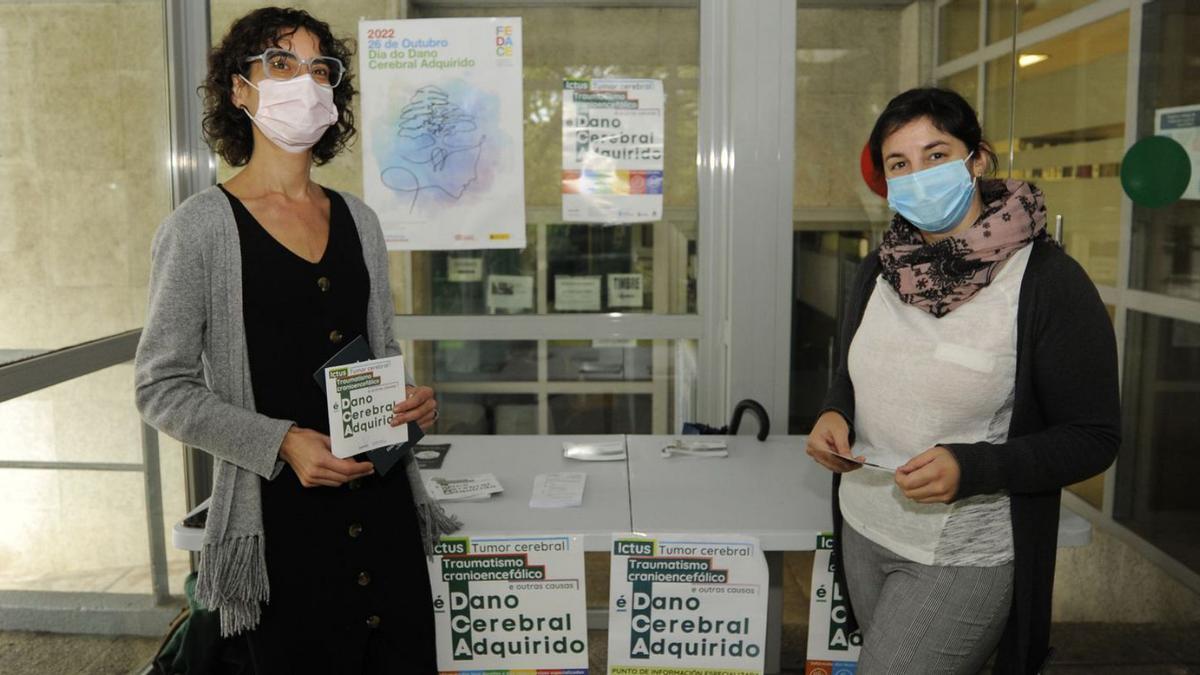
(280, 64)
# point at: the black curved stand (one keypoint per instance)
(764, 422)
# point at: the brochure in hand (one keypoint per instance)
(361, 391)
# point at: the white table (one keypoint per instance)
(515, 460)
(770, 489)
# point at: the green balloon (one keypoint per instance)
(1156, 171)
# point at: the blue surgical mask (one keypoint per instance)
(934, 200)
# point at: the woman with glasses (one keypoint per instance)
(314, 563)
(977, 360)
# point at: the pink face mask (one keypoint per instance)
(293, 113)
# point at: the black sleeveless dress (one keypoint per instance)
(349, 586)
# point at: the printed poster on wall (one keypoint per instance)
(510, 603)
(612, 151)
(831, 649)
(1183, 125)
(687, 603)
(443, 147)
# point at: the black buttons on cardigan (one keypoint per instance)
(335, 336)
(323, 284)
(364, 579)
(354, 484)
(355, 530)
(373, 621)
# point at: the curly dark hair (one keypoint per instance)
(227, 128)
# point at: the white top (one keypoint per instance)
(920, 381)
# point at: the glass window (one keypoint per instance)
(600, 414)
(997, 110)
(825, 263)
(501, 386)
(475, 361)
(999, 20)
(958, 29)
(1166, 240)
(561, 42)
(505, 386)
(1070, 136)
(69, 530)
(487, 413)
(966, 83)
(601, 360)
(1157, 495)
(842, 84)
(1038, 12)
(69, 178)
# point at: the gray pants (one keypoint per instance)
(923, 618)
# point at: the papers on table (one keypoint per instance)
(607, 451)
(481, 486)
(690, 448)
(557, 490)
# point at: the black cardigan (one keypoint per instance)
(1065, 427)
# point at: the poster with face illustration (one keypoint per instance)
(442, 144)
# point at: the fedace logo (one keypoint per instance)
(504, 41)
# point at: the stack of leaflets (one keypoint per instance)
(465, 488)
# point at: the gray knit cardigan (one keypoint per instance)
(192, 380)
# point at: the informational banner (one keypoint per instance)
(686, 603)
(510, 603)
(360, 398)
(443, 148)
(832, 650)
(1183, 125)
(612, 151)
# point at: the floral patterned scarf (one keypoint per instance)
(939, 277)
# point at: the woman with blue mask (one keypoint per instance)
(977, 359)
(311, 563)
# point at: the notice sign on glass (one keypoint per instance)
(1183, 125)
(686, 603)
(831, 648)
(443, 143)
(612, 151)
(510, 603)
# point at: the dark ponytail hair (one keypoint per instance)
(945, 109)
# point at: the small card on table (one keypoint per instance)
(557, 490)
